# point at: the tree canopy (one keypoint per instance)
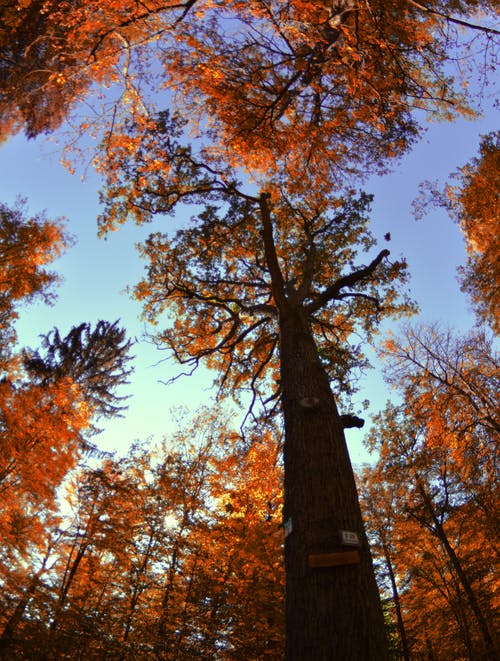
(263, 117)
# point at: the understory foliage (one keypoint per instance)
(175, 551)
(431, 500)
(166, 553)
(47, 405)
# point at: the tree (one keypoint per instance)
(347, 71)
(251, 287)
(34, 421)
(342, 80)
(471, 199)
(45, 420)
(96, 360)
(27, 246)
(52, 53)
(47, 403)
(476, 207)
(165, 552)
(380, 509)
(437, 477)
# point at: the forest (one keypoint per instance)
(258, 123)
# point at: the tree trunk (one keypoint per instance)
(15, 619)
(438, 530)
(332, 612)
(491, 651)
(397, 604)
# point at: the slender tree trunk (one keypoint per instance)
(137, 589)
(15, 619)
(63, 593)
(491, 652)
(163, 641)
(397, 604)
(333, 612)
(491, 649)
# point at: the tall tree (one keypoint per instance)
(267, 289)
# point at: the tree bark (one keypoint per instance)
(333, 612)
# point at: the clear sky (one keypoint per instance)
(97, 271)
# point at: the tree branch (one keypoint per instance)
(456, 21)
(334, 290)
(277, 282)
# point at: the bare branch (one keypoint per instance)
(452, 19)
(277, 282)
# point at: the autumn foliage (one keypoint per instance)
(45, 420)
(431, 500)
(262, 117)
(477, 209)
(164, 553)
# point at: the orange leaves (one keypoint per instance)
(477, 208)
(41, 442)
(27, 246)
(341, 79)
(147, 557)
(430, 497)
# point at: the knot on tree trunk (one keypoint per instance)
(348, 421)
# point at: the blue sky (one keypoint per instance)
(96, 271)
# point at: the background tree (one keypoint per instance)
(380, 509)
(27, 246)
(471, 199)
(476, 206)
(437, 463)
(44, 418)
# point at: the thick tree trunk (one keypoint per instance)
(332, 612)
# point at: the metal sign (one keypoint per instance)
(349, 538)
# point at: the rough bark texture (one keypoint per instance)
(332, 613)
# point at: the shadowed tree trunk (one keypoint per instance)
(332, 612)
(397, 604)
